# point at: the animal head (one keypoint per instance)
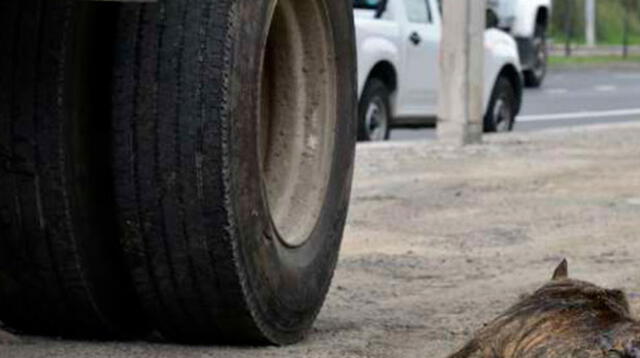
(608, 305)
(564, 290)
(564, 318)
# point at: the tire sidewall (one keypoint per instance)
(284, 286)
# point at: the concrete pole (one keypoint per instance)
(460, 105)
(590, 22)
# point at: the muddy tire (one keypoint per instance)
(235, 133)
(61, 272)
(374, 112)
(501, 113)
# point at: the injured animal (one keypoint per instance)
(565, 318)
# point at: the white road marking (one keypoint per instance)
(605, 88)
(580, 115)
(634, 201)
(556, 90)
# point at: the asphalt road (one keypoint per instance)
(570, 97)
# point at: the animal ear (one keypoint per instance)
(561, 272)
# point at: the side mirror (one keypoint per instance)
(381, 9)
(492, 19)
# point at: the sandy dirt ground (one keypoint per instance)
(440, 240)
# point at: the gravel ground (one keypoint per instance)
(440, 240)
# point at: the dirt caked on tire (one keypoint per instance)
(234, 143)
(61, 268)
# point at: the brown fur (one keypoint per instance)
(565, 318)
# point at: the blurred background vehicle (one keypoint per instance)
(398, 44)
(528, 22)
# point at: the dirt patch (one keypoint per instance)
(440, 240)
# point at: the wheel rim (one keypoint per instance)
(502, 115)
(297, 117)
(376, 119)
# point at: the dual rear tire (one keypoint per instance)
(61, 271)
(191, 173)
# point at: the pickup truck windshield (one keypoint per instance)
(366, 4)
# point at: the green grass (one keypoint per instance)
(592, 60)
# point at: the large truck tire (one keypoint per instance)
(61, 268)
(234, 145)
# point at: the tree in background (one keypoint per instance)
(568, 18)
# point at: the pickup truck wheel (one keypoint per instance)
(535, 76)
(500, 116)
(374, 112)
(61, 271)
(234, 149)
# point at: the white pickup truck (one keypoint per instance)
(528, 22)
(398, 44)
